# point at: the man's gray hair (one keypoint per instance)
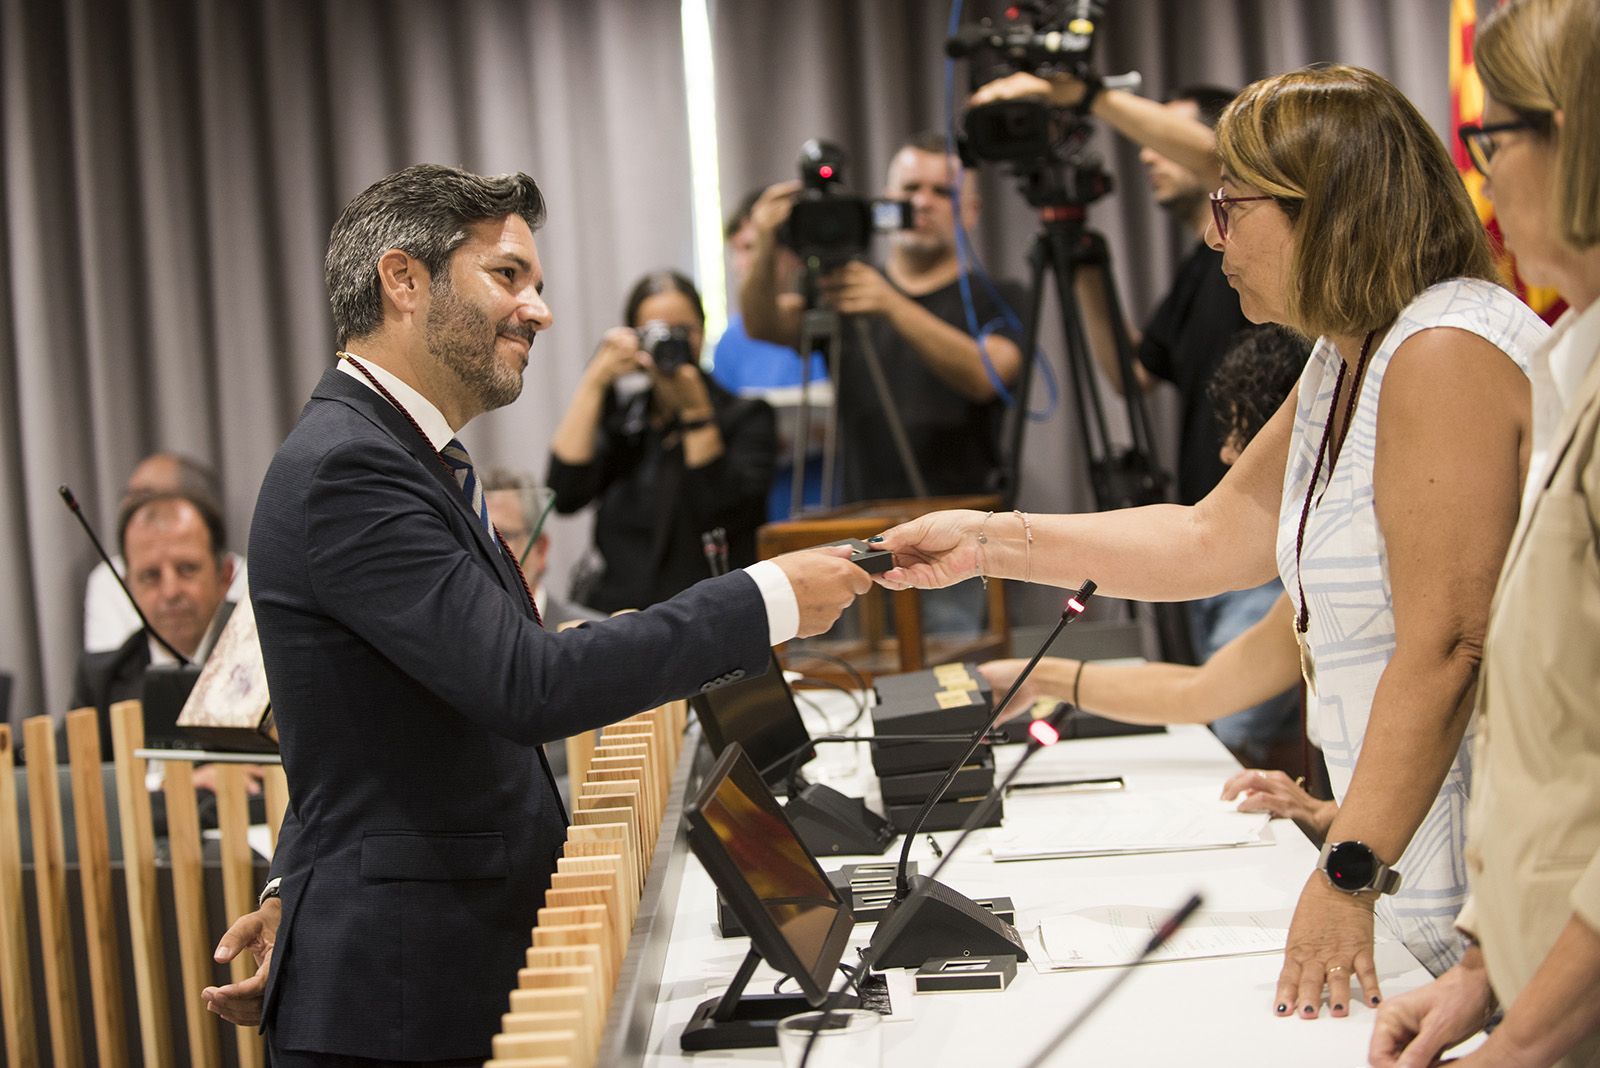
(424, 212)
(527, 489)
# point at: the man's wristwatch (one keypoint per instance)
(270, 890)
(1353, 867)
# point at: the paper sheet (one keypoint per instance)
(1111, 935)
(1134, 823)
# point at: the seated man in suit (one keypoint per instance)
(178, 572)
(515, 509)
(412, 682)
(108, 619)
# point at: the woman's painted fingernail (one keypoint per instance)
(1374, 999)
(1309, 1010)
(1282, 1009)
(1338, 1008)
(876, 538)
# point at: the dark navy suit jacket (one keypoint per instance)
(411, 687)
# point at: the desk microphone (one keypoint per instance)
(829, 822)
(949, 924)
(992, 737)
(1042, 733)
(72, 506)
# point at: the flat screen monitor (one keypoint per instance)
(759, 713)
(795, 917)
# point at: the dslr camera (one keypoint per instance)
(667, 345)
(829, 226)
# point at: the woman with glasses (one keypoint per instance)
(669, 454)
(1383, 493)
(1533, 847)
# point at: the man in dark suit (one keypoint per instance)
(411, 680)
(178, 572)
(515, 509)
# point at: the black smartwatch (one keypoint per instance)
(1353, 867)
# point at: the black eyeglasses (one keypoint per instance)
(1219, 210)
(1480, 143)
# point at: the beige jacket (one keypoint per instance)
(1533, 850)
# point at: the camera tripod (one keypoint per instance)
(821, 327)
(1064, 246)
(1123, 477)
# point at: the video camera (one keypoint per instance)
(829, 226)
(667, 345)
(1044, 146)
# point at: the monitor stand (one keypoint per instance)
(739, 1021)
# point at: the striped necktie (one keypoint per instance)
(460, 464)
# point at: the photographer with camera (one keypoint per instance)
(668, 452)
(942, 384)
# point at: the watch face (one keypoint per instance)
(1351, 866)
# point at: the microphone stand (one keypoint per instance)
(72, 506)
(1042, 734)
(961, 925)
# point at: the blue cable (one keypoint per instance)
(966, 256)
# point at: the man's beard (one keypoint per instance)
(461, 337)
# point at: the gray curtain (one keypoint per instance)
(171, 169)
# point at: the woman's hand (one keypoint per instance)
(1275, 793)
(1414, 1028)
(1002, 675)
(1330, 939)
(936, 550)
(682, 392)
(617, 355)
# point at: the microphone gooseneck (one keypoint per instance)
(1041, 735)
(1157, 940)
(72, 506)
(1074, 608)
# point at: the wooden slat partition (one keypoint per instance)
(94, 877)
(194, 934)
(50, 887)
(620, 789)
(238, 887)
(610, 825)
(16, 977)
(139, 867)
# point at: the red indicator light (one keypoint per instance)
(1043, 733)
(1076, 605)
(1013, 13)
(825, 171)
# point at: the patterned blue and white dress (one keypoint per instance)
(1345, 570)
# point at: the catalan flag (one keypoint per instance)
(1466, 105)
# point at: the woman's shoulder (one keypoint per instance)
(1477, 306)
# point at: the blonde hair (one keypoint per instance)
(1378, 210)
(1538, 57)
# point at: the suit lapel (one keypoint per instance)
(338, 386)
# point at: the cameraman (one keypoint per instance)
(669, 453)
(942, 389)
(1184, 341)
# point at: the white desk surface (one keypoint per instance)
(1188, 1013)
